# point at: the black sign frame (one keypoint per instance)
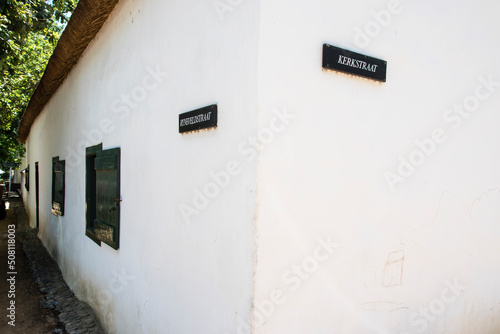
(203, 118)
(342, 60)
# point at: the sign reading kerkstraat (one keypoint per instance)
(346, 61)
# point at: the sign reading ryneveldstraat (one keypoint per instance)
(198, 119)
(346, 61)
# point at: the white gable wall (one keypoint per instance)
(168, 275)
(324, 177)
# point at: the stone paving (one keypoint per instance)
(77, 316)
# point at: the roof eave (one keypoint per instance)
(86, 21)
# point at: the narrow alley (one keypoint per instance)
(33, 295)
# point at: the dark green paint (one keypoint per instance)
(103, 195)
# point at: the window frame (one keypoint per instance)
(58, 179)
(102, 167)
(27, 178)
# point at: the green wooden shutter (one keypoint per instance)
(90, 186)
(107, 216)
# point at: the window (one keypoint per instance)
(58, 168)
(102, 193)
(27, 178)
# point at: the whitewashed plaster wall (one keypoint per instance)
(171, 274)
(338, 248)
(419, 256)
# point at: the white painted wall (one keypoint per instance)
(334, 249)
(323, 177)
(168, 276)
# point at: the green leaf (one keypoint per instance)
(29, 31)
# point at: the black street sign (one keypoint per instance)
(198, 119)
(346, 61)
(11, 165)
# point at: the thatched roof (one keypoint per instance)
(86, 21)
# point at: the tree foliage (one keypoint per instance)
(29, 31)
